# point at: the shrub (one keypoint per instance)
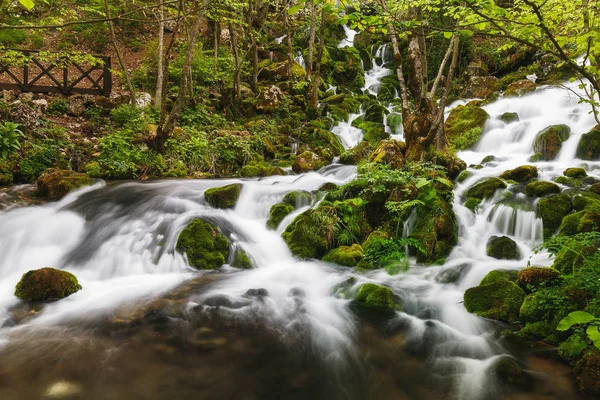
(10, 136)
(57, 107)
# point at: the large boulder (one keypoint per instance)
(503, 248)
(375, 296)
(533, 278)
(464, 125)
(347, 256)
(389, 152)
(589, 145)
(224, 196)
(204, 245)
(499, 300)
(510, 275)
(575, 173)
(46, 284)
(549, 141)
(278, 213)
(308, 161)
(485, 188)
(523, 173)
(553, 209)
(541, 188)
(356, 154)
(54, 183)
(307, 236)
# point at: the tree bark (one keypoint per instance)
(314, 94)
(160, 68)
(237, 89)
(311, 41)
(290, 50)
(113, 39)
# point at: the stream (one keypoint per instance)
(146, 326)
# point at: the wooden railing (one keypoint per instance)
(61, 75)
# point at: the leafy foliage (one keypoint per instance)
(10, 136)
(581, 320)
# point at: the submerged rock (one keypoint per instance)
(204, 245)
(46, 284)
(508, 371)
(223, 197)
(549, 141)
(499, 300)
(54, 183)
(503, 248)
(509, 117)
(63, 390)
(298, 198)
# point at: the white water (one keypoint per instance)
(348, 41)
(300, 59)
(349, 136)
(378, 71)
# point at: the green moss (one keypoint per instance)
(552, 210)
(464, 125)
(241, 260)
(536, 157)
(534, 278)
(563, 180)
(549, 141)
(390, 152)
(278, 213)
(308, 161)
(499, 300)
(589, 145)
(485, 188)
(309, 235)
(46, 284)
(356, 154)
(536, 330)
(472, 203)
(545, 305)
(249, 171)
(348, 256)
(523, 173)
(587, 372)
(204, 245)
(541, 188)
(463, 176)
(436, 229)
(224, 196)
(503, 248)
(499, 275)
(576, 173)
(373, 132)
(55, 183)
(572, 348)
(509, 117)
(298, 198)
(375, 296)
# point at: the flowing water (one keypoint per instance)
(146, 326)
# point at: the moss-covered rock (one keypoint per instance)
(356, 154)
(298, 198)
(533, 278)
(545, 305)
(224, 196)
(519, 88)
(541, 188)
(204, 245)
(241, 259)
(250, 171)
(576, 173)
(510, 275)
(308, 161)
(46, 284)
(523, 173)
(589, 145)
(437, 230)
(472, 203)
(464, 125)
(503, 248)
(376, 296)
(564, 180)
(375, 112)
(509, 117)
(553, 209)
(54, 183)
(348, 256)
(536, 330)
(509, 373)
(463, 176)
(308, 236)
(499, 300)
(278, 213)
(390, 152)
(373, 132)
(549, 141)
(595, 188)
(485, 188)
(587, 372)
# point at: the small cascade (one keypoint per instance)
(349, 135)
(300, 59)
(348, 41)
(279, 40)
(523, 224)
(379, 71)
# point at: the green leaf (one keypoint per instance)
(575, 318)
(447, 35)
(422, 182)
(594, 335)
(28, 4)
(293, 10)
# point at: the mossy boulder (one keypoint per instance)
(373, 132)
(278, 213)
(204, 245)
(519, 88)
(589, 145)
(536, 330)
(509, 373)
(224, 196)
(576, 173)
(306, 235)
(595, 188)
(375, 296)
(510, 275)
(587, 372)
(579, 222)
(46, 284)
(390, 152)
(500, 300)
(463, 176)
(298, 198)
(472, 203)
(485, 188)
(553, 209)
(549, 141)
(437, 230)
(241, 260)
(533, 278)
(375, 112)
(308, 161)
(464, 125)
(509, 117)
(250, 171)
(523, 173)
(356, 154)
(503, 248)
(545, 305)
(54, 183)
(541, 188)
(347, 256)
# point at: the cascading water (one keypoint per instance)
(379, 71)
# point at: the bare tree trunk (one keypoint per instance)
(216, 37)
(290, 50)
(113, 38)
(165, 129)
(314, 94)
(160, 68)
(237, 89)
(311, 41)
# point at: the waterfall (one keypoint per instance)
(300, 59)
(348, 41)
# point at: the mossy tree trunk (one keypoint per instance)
(314, 92)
